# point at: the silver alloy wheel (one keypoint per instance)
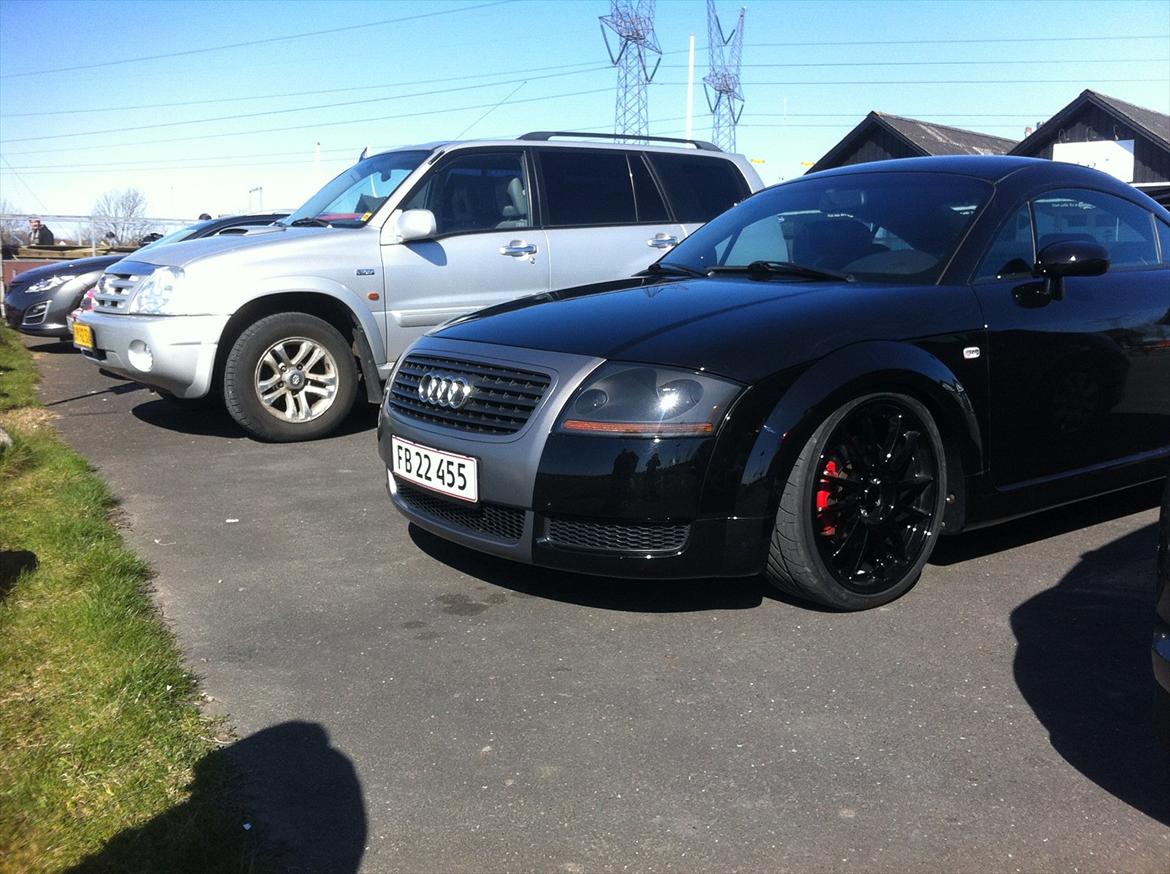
(296, 379)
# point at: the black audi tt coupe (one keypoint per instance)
(812, 386)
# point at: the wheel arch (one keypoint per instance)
(357, 325)
(866, 368)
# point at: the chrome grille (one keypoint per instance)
(633, 537)
(501, 401)
(115, 287)
(492, 520)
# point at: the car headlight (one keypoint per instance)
(82, 282)
(158, 293)
(47, 284)
(639, 400)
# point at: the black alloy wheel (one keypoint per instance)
(863, 506)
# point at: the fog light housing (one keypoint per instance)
(140, 356)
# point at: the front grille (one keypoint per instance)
(501, 401)
(633, 537)
(115, 287)
(492, 520)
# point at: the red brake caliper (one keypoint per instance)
(828, 524)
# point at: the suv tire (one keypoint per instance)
(290, 377)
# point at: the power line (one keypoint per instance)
(363, 102)
(939, 82)
(1031, 63)
(255, 42)
(589, 67)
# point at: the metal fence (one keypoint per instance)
(82, 231)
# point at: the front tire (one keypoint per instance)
(863, 505)
(290, 377)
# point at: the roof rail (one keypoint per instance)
(549, 134)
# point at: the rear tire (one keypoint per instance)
(863, 505)
(290, 377)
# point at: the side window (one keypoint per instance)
(1124, 229)
(587, 188)
(651, 206)
(699, 188)
(1164, 240)
(476, 192)
(1011, 255)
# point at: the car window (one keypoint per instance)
(651, 206)
(1123, 228)
(479, 191)
(587, 188)
(698, 188)
(351, 199)
(1012, 254)
(1164, 240)
(874, 226)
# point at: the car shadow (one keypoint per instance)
(281, 798)
(1042, 526)
(49, 345)
(214, 420)
(605, 593)
(1083, 665)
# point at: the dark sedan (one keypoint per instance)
(38, 301)
(814, 385)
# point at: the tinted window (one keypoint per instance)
(698, 188)
(876, 226)
(476, 192)
(1124, 229)
(587, 188)
(651, 207)
(1011, 255)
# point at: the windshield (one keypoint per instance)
(876, 226)
(351, 200)
(175, 236)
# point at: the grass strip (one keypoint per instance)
(107, 762)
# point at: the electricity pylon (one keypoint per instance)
(725, 55)
(633, 22)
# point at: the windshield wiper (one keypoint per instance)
(784, 268)
(309, 223)
(660, 269)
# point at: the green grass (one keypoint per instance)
(105, 757)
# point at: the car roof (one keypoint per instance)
(989, 167)
(543, 139)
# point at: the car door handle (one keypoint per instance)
(662, 241)
(516, 248)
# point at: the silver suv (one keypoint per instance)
(285, 321)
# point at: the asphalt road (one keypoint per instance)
(405, 705)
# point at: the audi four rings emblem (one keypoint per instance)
(444, 390)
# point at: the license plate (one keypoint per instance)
(456, 476)
(83, 335)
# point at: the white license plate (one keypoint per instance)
(456, 476)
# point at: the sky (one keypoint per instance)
(237, 106)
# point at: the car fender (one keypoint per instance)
(797, 402)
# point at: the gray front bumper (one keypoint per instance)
(182, 349)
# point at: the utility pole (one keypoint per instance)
(726, 52)
(633, 23)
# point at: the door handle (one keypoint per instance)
(662, 241)
(516, 248)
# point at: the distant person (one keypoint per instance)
(39, 234)
(204, 217)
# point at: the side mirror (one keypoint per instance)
(415, 224)
(1068, 258)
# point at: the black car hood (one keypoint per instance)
(76, 267)
(739, 327)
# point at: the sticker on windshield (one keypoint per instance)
(366, 216)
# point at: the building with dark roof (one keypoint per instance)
(880, 137)
(1126, 141)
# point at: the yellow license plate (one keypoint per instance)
(83, 335)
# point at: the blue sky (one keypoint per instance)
(204, 127)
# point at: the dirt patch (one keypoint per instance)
(26, 419)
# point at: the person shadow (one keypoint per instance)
(281, 799)
(1083, 665)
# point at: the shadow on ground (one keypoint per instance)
(214, 421)
(607, 593)
(50, 345)
(1083, 664)
(282, 799)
